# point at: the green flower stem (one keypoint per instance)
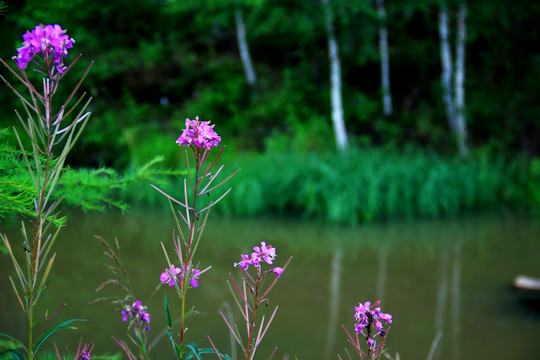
(253, 315)
(38, 226)
(187, 260)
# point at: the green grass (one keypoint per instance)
(366, 185)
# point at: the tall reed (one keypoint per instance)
(368, 185)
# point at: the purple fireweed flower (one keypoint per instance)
(195, 277)
(169, 276)
(145, 318)
(137, 308)
(46, 40)
(263, 252)
(85, 356)
(246, 261)
(137, 312)
(278, 271)
(126, 314)
(370, 342)
(266, 253)
(367, 316)
(199, 133)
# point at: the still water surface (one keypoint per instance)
(448, 276)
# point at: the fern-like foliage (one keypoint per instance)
(16, 189)
(86, 189)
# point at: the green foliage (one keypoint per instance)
(9, 347)
(87, 189)
(177, 350)
(46, 334)
(195, 353)
(186, 51)
(369, 185)
(16, 187)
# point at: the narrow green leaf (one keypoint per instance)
(194, 351)
(140, 340)
(49, 243)
(198, 352)
(167, 313)
(20, 273)
(47, 270)
(16, 292)
(177, 351)
(44, 336)
(16, 341)
(16, 355)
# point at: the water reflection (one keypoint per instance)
(334, 296)
(456, 291)
(442, 296)
(450, 280)
(381, 274)
(431, 275)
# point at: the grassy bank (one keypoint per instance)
(366, 185)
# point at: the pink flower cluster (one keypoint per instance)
(171, 276)
(138, 313)
(199, 133)
(368, 315)
(47, 40)
(264, 252)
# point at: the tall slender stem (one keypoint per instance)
(254, 313)
(186, 269)
(38, 226)
(49, 89)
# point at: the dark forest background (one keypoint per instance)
(160, 61)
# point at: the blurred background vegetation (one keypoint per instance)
(160, 61)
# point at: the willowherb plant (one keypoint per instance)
(183, 272)
(138, 319)
(52, 131)
(133, 312)
(369, 325)
(83, 353)
(251, 294)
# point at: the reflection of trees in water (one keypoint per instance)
(334, 297)
(456, 294)
(381, 275)
(450, 280)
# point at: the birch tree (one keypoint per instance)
(243, 47)
(446, 64)
(385, 63)
(459, 80)
(454, 93)
(335, 80)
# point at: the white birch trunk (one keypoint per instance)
(446, 63)
(243, 47)
(459, 80)
(338, 122)
(385, 63)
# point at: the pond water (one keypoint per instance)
(447, 276)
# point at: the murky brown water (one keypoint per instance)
(450, 276)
